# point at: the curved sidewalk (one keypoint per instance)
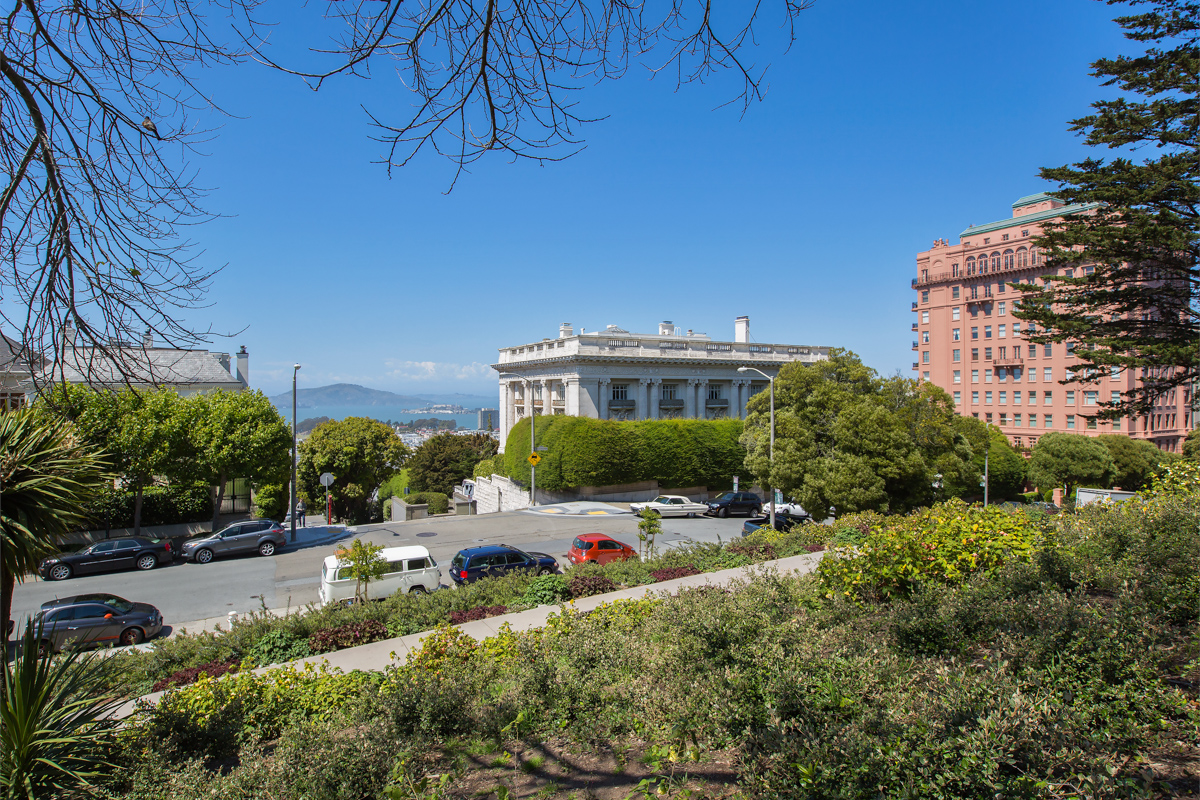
(377, 656)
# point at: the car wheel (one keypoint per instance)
(691, 515)
(60, 572)
(724, 512)
(757, 510)
(147, 561)
(417, 590)
(266, 549)
(131, 636)
(204, 555)
(545, 571)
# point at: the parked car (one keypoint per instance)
(411, 570)
(735, 503)
(489, 561)
(262, 535)
(132, 552)
(596, 548)
(670, 505)
(783, 522)
(89, 619)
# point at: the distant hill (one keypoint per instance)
(350, 394)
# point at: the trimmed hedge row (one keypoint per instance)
(590, 452)
(161, 505)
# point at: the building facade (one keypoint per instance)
(968, 342)
(615, 374)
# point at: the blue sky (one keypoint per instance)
(886, 126)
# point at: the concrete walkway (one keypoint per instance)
(377, 656)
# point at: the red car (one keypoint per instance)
(598, 549)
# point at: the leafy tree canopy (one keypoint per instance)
(1006, 468)
(360, 453)
(445, 460)
(1191, 445)
(846, 438)
(1131, 302)
(1135, 461)
(1070, 460)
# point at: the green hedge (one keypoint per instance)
(161, 505)
(590, 452)
(438, 502)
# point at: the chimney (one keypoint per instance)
(741, 329)
(148, 339)
(69, 334)
(565, 330)
(243, 367)
(666, 328)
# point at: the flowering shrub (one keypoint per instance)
(479, 612)
(1178, 478)
(446, 645)
(189, 675)
(588, 585)
(351, 635)
(671, 573)
(945, 544)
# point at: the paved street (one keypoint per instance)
(186, 592)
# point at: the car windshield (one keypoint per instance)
(112, 601)
(663, 499)
(458, 561)
(522, 553)
(580, 544)
(726, 496)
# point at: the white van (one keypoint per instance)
(411, 570)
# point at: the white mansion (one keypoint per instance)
(615, 374)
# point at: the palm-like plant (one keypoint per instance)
(55, 720)
(47, 475)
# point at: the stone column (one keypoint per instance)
(539, 389)
(641, 408)
(605, 396)
(571, 406)
(689, 399)
(655, 395)
(528, 389)
(702, 398)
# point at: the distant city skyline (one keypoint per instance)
(885, 127)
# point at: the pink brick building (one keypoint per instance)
(967, 341)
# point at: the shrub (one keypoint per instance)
(271, 500)
(161, 505)
(278, 647)
(754, 550)
(546, 590)
(588, 585)
(189, 675)
(351, 635)
(671, 573)
(438, 502)
(479, 612)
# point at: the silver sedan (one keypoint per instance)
(670, 505)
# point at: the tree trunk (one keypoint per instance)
(218, 499)
(137, 510)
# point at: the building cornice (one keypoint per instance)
(1037, 216)
(512, 366)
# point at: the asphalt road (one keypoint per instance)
(187, 592)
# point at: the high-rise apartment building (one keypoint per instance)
(967, 341)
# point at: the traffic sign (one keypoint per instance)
(541, 448)
(534, 458)
(327, 480)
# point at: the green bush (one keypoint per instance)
(438, 502)
(278, 647)
(489, 467)
(546, 590)
(271, 501)
(161, 505)
(590, 452)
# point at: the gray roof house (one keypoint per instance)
(15, 372)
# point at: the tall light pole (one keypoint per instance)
(292, 511)
(771, 452)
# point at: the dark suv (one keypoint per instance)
(735, 503)
(262, 535)
(498, 559)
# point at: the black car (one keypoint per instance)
(88, 619)
(783, 522)
(132, 552)
(498, 559)
(735, 503)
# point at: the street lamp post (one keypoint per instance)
(292, 506)
(771, 451)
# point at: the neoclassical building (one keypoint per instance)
(615, 374)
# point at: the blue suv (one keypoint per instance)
(498, 559)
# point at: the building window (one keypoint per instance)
(1024, 233)
(987, 354)
(1047, 420)
(714, 391)
(1000, 331)
(1016, 398)
(1090, 398)
(620, 391)
(975, 332)
(974, 376)
(957, 354)
(1000, 305)
(1070, 421)
(924, 356)
(1033, 351)
(958, 376)
(958, 398)
(1117, 424)
(987, 398)
(669, 391)
(1047, 375)
(1003, 417)
(1022, 257)
(987, 291)
(925, 296)
(925, 317)
(954, 313)
(996, 261)
(1035, 257)
(987, 418)
(956, 334)
(1047, 398)
(987, 376)
(1008, 257)
(925, 375)
(987, 331)
(1071, 398)
(1016, 420)
(974, 353)
(1091, 425)
(1033, 420)
(924, 337)
(974, 292)
(975, 398)
(716, 346)
(1002, 373)
(970, 265)
(1016, 329)
(954, 289)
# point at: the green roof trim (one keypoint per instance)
(1030, 199)
(1037, 216)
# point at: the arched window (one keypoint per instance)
(970, 265)
(996, 261)
(1008, 259)
(1022, 257)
